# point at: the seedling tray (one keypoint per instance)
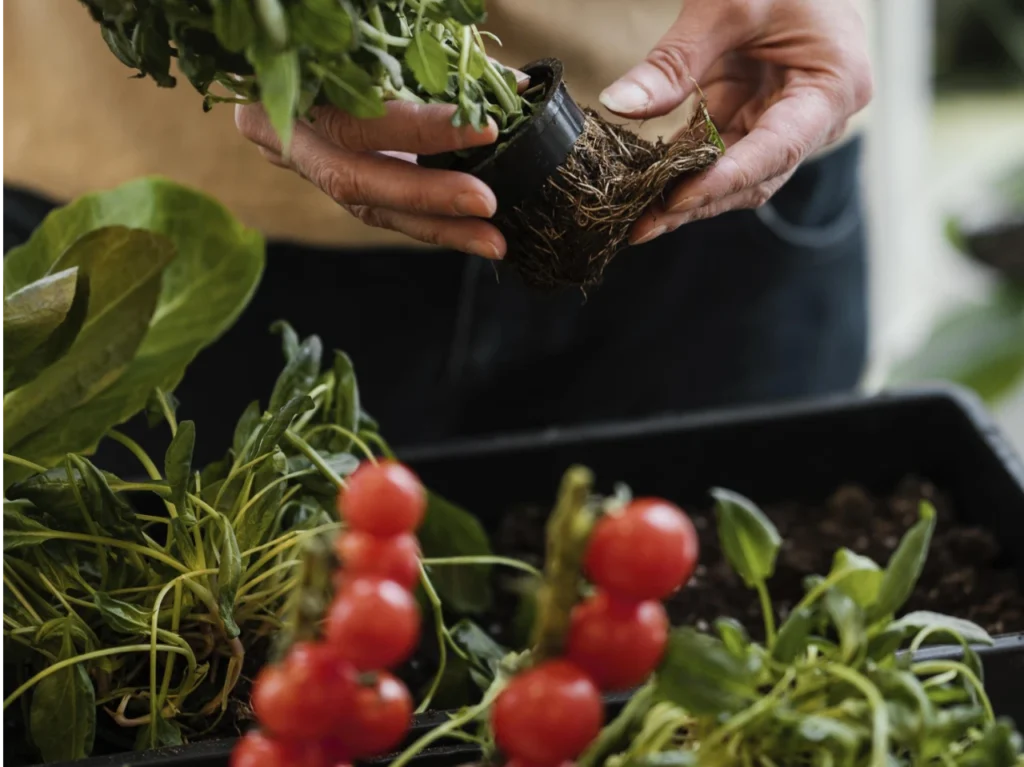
(802, 451)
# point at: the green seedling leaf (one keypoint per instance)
(848, 620)
(234, 24)
(479, 646)
(352, 90)
(62, 718)
(229, 577)
(346, 405)
(124, 268)
(999, 746)
(33, 313)
(325, 25)
(185, 544)
(342, 464)
(159, 733)
(158, 405)
(426, 58)
(243, 431)
(794, 635)
(749, 539)
(467, 11)
(701, 674)
(279, 78)
(904, 567)
(734, 636)
(863, 579)
(204, 288)
(178, 468)
(299, 375)
(391, 65)
(448, 531)
(942, 628)
(122, 617)
(106, 508)
(290, 340)
(273, 21)
(273, 430)
(21, 530)
(253, 526)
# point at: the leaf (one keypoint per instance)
(352, 90)
(426, 58)
(794, 635)
(999, 746)
(448, 531)
(326, 25)
(52, 493)
(246, 426)
(274, 22)
(749, 539)
(278, 75)
(122, 617)
(734, 636)
(253, 527)
(273, 430)
(864, 579)
(478, 644)
(467, 11)
(124, 267)
(346, 400)
(342, 464)
(178, 468)
(185, 544)
(107, 509)
(229, 577)
(289, 339)
(234, 24)
(156, 404)
(299, 374)
(905, 566)
(34, 312)
(699, 673)
(62, 718)
(391, 65)
(159, 733)
(204, 289)
(848, 619)
(20, 530)
(943, 625)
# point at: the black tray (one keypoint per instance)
(802, 451)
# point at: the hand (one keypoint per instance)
(369, 168)
(782, 77)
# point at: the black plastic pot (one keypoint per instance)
(794, 452)
(516, 168)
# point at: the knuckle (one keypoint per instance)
(863, 87)
(670, 59)
(760, 196)
(337, 182)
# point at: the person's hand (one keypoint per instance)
(369, 168)
(782, 78)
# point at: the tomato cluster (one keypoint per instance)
(332, 701)
(635, 557)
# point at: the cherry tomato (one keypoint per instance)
(379, 720)
(305, 696)
(523, 763)
(383, 499)
(395, 558)
(617, 643)
(257, 750)
(646, 551)
(373, 623)
(548, 714)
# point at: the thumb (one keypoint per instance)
(660, 83)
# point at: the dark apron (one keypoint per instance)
(753, 306)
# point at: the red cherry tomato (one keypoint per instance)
(395, 558)
(373, 623)
(379, 721)
(305, 696)
(617, 643)
(548, 714)
(383, 499)
(257, 750)
(523, 763)
(647, 551)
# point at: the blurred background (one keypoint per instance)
(945, 187)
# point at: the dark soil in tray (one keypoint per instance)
(966, 575)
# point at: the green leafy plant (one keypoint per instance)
(136, 611)
(290, 55)
(111, 298)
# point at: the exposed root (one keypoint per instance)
(567, 235)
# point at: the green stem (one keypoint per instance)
(314, 457)
(515, 564)
(615, 732)
(768, 612)
(939, 666)
(76, 491)
(382, 38)
(345, 433)
(136, 449)
(372, 436)
(82, 659)
(25, 463)
(168, 414)
(442, 645)
(880, 715)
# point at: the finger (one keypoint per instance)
(407, 127)
(273, 157)
(704, 31)
(375, 180)
(783, 137)
(660, 221)
(471, 236)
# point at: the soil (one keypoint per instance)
(966, 574)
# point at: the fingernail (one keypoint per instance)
(625, 97)
(689, 203)
(473, 204)
(484, 248)
(654, 234)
